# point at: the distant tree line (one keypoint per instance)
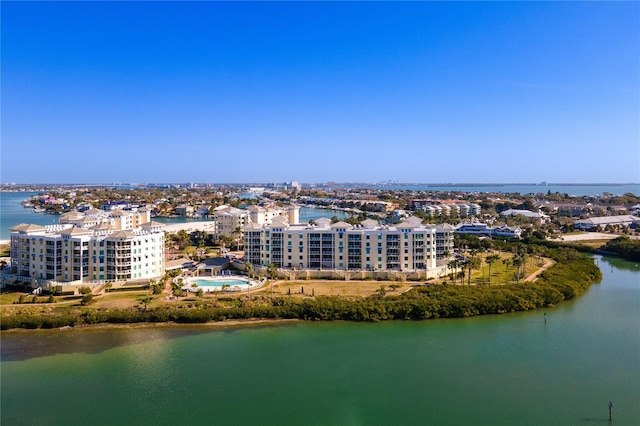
(624, 247)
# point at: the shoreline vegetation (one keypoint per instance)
(569, 277)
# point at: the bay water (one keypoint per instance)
(513, 369)
(12, 213)
(576, 190)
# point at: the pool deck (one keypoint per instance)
(251, 284)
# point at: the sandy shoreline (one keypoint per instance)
(208, 226)
(139, 325)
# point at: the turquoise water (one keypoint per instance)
(312, 213)
(12, 213)
(496, 370)
(218, 283)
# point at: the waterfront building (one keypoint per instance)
(478, 228)
(184, 210)
(95, 246)
(369, 246)
(230, 220)
(115, 205)
(507, 231)
(432, 208)
(593, 223)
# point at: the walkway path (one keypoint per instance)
(547, 264)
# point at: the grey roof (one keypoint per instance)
(213, 262)
(525, 213)
(604, 220)
(369, 223)
(445, 226)
(342, 225)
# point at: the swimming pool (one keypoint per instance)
(210, 284)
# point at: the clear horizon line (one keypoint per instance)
(324, 183)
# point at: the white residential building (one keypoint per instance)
(408, 246)
(447, 209)
(592, 223)
(536, 216)
(477, 228)
(230, 219)
(105, 246)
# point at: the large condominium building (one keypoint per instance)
(408, 246)
(231, 219)
(96, 245)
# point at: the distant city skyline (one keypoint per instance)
(412, 92)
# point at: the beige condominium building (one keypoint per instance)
(90, 246)
(408, 246)
(230, 220)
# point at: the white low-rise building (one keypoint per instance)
(593, 223)
(477, 228)
(537, 217)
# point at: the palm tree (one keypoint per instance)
(237, 237)
(491, 259)
(145, 301)
(518, 261)
(249, 269)
(506, 263)
(272, 273)
(472, 263)
(453, 265)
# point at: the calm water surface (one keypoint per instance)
(574, 190)
(498, 370)
(12, 213)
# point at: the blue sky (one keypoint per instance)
(423, 92)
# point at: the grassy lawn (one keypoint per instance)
(500, 275)
(589, 243)
(7, 298)
(335, 288)
(119, 300)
